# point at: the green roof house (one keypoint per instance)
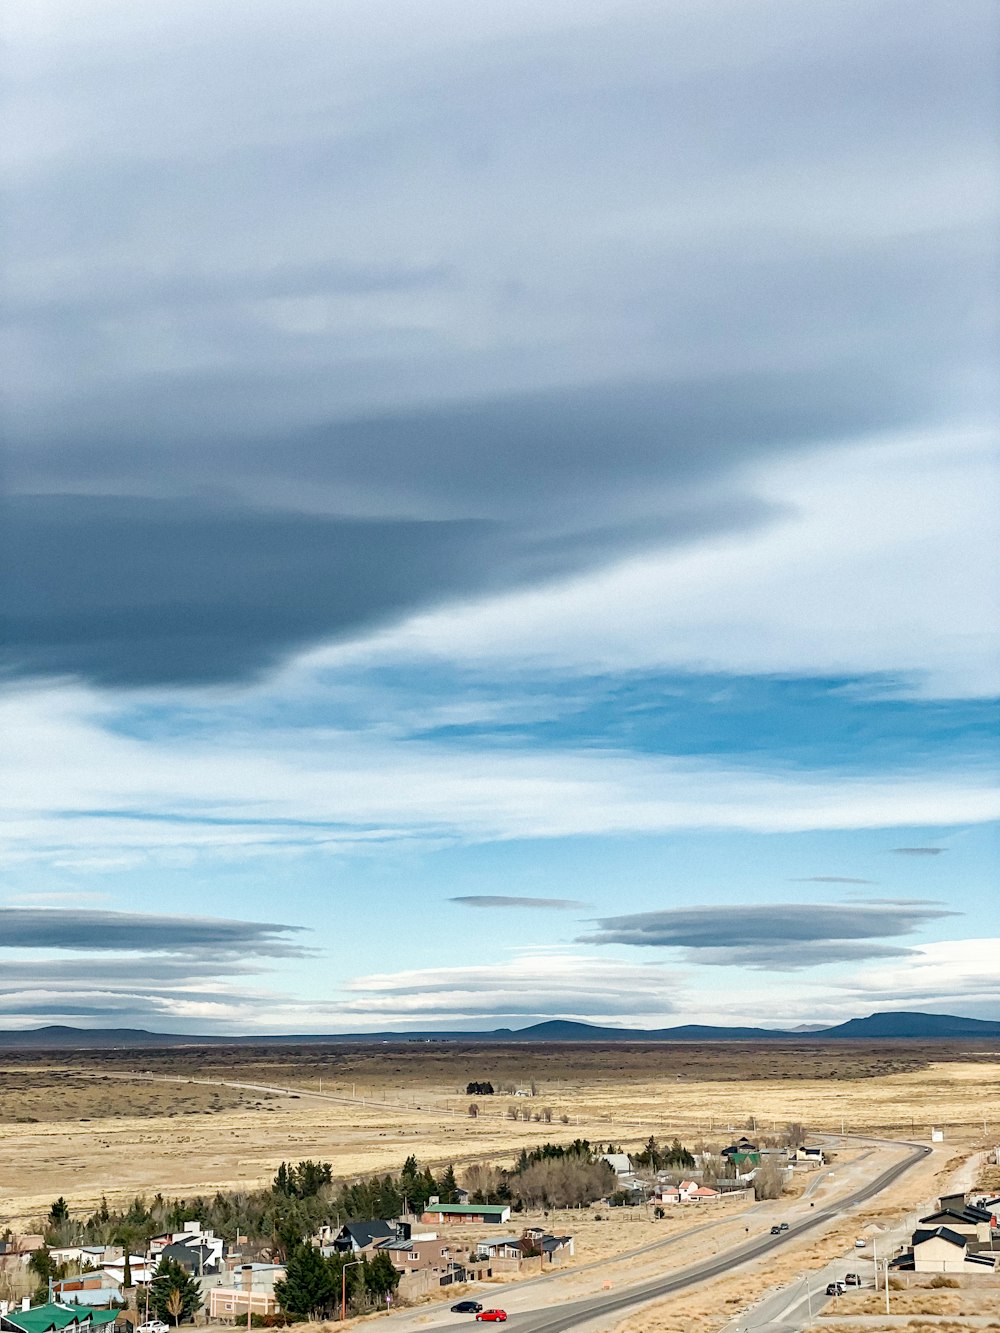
(53, 1318)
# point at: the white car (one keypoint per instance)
(154, 1326)
(859, 1244)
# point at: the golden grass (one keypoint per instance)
(143, 1138)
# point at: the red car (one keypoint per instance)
(493, 1316)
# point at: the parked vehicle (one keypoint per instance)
(835, 1288)
(492, 1316)
(466, 1307)
(154, 1326)
(852, 1279)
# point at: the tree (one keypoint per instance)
(59, 1212)
(448, 1186)
(473, 1109)
(171, 1277)
(42, 1263)
(310, 1289)
(769, 1180)
(380, 1278)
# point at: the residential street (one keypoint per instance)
(592, 1313)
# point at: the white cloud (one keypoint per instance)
(942, 973)
(81, 794)
(528, 986)
(885, 563)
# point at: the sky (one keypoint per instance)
(500, 513)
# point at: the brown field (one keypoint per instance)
(84, 1124)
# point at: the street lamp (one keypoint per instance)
(343, 1286)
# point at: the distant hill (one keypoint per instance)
(889, 1026)
(901, 1026)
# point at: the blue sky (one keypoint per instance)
(502, 511)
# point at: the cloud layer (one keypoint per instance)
(779, 936)
(66, 928)
(456, 311)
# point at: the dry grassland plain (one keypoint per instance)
(87, 1124)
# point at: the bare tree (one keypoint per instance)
(547, 1114)
(473, 1109)
(769, 1181)
(175, 1304)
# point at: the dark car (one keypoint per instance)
(776, 1230)
(466, 1307)
(852, 1279)
(493, 1316)
(835, 1288)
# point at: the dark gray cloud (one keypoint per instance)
(502, 900)
(777, 936)
(70, 928)
(443, 309)
(919, 851)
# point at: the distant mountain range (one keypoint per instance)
(890, 1026)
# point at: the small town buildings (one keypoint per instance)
(688, 1191)
(499, 1247)
(808, 1156)
(89, 1289)
(250, 1291)
(361, 1238)
(941, 1250)
(441, 1213)
(620, 1162)
(53, 1317)
(193, 1236)
(196, 1258)
(87, 1256)
(973, 1224)
(141, 1270)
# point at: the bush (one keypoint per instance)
(942, 1281)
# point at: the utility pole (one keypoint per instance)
(885, 1276)
(343, 1286)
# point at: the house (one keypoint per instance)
(553, 1248)
(87, 1256)
(141, 1270)
(359, 1238)
(90, 1289)
(620, 1162)
(19, 1249)
(250, 1292)
(742, 1154)
(688, 1191)
(806, 1156)
(494, 1213)
(409, 1256)
(197, 1259)
(971, 1223)
(53, 1317)
(941, 1250)
(704, 1194)
(499, 1247)
(556, 1248)
(192, 1235)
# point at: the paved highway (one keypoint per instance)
(578, 1314)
